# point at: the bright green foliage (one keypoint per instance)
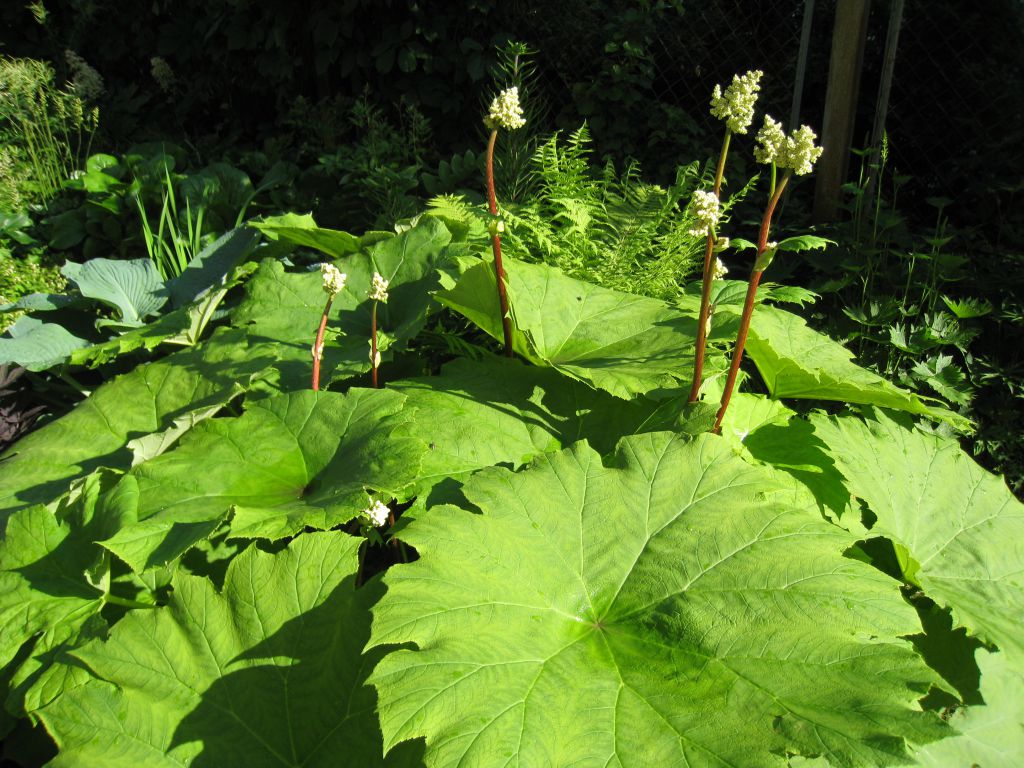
(266, 672)
(664, 610)
(300, 459)
(39, 468)
(302, 230)
(618, 342)
(991, 736)
(961, 525)
(795, 361)
(287, 307)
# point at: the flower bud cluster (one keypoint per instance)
(334, 280)
(705, 209)
(162, 73)
(377, 514)
(505, 111)
(379, 288)
(796, 151)
(88, 82)
(736, 104)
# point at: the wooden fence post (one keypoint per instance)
(848, 35)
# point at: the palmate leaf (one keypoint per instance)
(299, 459)
(478, 414)
(959, 523)
(618, 342)
(39, 467)
(286, 307)
(664, 610)
(796, 361)
(266, 672)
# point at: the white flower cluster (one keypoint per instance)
(505, 111)
(162, 73)
(87, 81)
(705, 209)
(377, 514)
(736, 105)
(796, 151)
(379, 288)
(720, 270)
(334, 279)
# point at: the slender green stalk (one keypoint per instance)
(492, 202)
(373, 348)
(748, 305)
(705, 298)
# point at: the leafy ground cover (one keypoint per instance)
(545, 560)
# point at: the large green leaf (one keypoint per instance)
(39, 467)
(615, 341)
(267, 672)
(478, 414)
(664, 610)
(211, 265)
(301, 229)
(960, 524)
(296, 460)
(134, 288)
(992, 735)
(286, 307)
(796, 361)
(44, 564)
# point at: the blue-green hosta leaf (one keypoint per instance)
(478, 414)
(618, 342)
(211, 265)
(296, 460)
(959, 523)
(286, 307)
(796, 361)
(47, 559)
(39, 467)
(266, 672)
(990, 735)
(664, 610)
(42, 302)
(302, 230)
(134, 288)
(37, 345)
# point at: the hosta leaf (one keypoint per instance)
(991, 735)
(478, 414)
(265, 673)
(39, 467)
(299, 459)
(796, 361)
(959, 523)
(615, 341)
(211, 265)
(134, 288)
(37, 345)
(287, 307)
(664, 610)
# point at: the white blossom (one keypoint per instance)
(736, 104)
(377, 513)
(505, 111)
(704, 208)
(379, 288)
(720, 270)
(770, 139)
(334, 279)
(800, 153)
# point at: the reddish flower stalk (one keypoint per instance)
(760, 265)
(373, 346)
(492, 202)
(318, 345)
(705, 298)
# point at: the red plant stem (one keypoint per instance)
(492, 202)
(705, 297)
(373, 346)
(318, 345)
(748, 305)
